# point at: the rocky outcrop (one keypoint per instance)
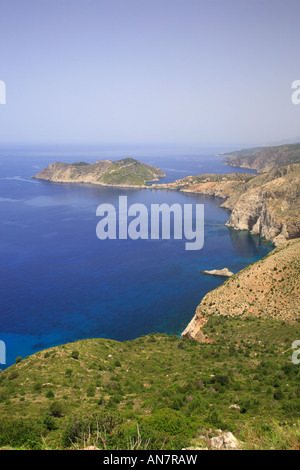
(125, 172)
(226, 441)
(219, 272)
(268, 205)
(223, 441)
(270, 209)
(264, 159)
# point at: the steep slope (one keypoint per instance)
(264, 159)
(268, 288)
(125, 172)
(157, 391)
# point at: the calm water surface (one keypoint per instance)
(60, 283)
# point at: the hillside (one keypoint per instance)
(267, 204)
(268, 288)
(264, 159)
(158, 391)
(222, 186)
(125, 172)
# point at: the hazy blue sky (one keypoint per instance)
(149, 71)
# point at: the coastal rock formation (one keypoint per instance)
(219, 272)
(125, 172)
(268, 205)
(271, 208)
(268, 288)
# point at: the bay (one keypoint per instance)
(60, 283)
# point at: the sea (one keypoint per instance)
(60, 283)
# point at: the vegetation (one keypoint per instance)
(125, 172)
(158, 391)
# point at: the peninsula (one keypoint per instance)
(267, 204)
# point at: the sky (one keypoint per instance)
(180, 72)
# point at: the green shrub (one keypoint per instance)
(168, 421)
(18, 433)
(278, 394)
(49, 422)
(75, 354)
(91, 391)
(56, 409)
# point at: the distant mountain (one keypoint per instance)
(264, 159)
(125, 172)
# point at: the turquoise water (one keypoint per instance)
(60, 283)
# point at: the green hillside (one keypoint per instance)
(158, 391)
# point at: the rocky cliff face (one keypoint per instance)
(268, 288)
(267, 204)
(270, 208)
(125, 172)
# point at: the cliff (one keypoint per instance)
(268, 288)
(263, 159)
(266, 204)
(125, 172)
(270, 206)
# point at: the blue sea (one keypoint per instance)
(60, 283)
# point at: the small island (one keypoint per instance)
(219, 272)
(127, 172)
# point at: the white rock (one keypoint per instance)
(225, 441)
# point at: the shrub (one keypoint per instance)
(278, 394)
(168, 421)
(90, 391)
(13, 375)
(214, 419)
(56, 409)
(75, 354)
(18, 433)
(49, 422)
